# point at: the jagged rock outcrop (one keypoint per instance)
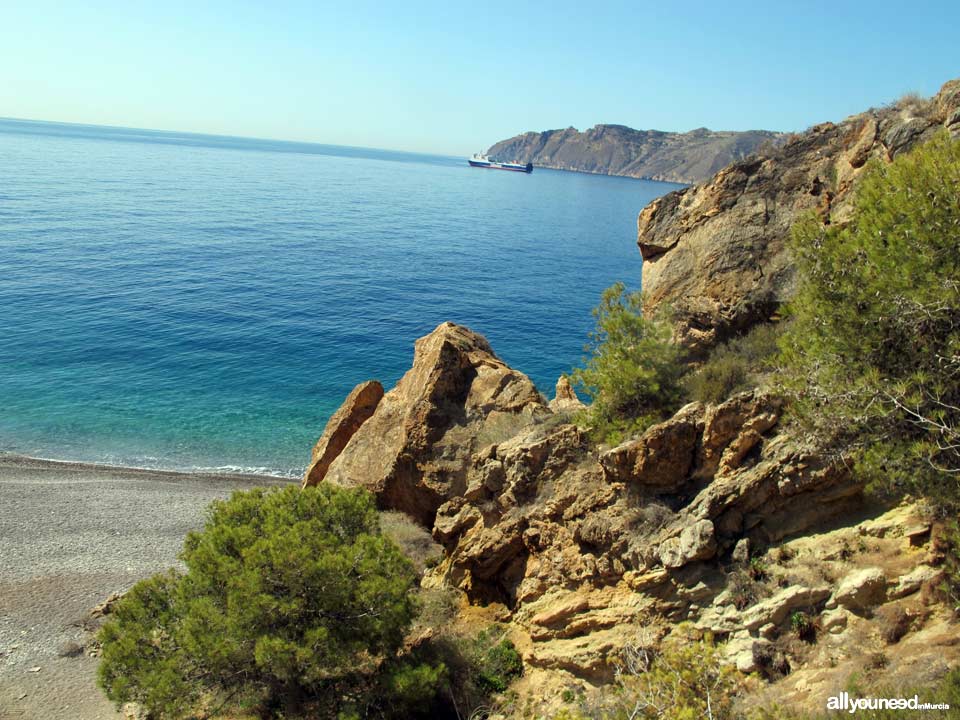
(565, 397)
(619, 150)
(412, 452)
(719, 515)
(717, 251)
(588, 552)
(343, 425)
(544, 517)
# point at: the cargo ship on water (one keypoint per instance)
(482, 161)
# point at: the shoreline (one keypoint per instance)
(11, 461)
(72, 534)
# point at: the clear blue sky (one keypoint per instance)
(454, 77)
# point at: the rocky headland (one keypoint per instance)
(716, 252)
(720, 521)
(650, 154)
(721, 517)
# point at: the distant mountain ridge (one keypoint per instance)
(619, 150)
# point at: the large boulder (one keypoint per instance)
(860, 590)
(695, 542)
(413, 451)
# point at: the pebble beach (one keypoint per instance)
(70, 535)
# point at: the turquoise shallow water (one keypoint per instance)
(186, 301)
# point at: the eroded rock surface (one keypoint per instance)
(343, 425)
(413, 451)
(716, 251)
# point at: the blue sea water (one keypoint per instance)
(192, 302)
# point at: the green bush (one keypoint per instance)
(872, 359)
(482, 665)
(803, 627)
(735, 366)
(950, 544)
(688, 679)
(632, 374)
(288, 596)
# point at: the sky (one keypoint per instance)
(453, 78)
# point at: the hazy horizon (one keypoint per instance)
(429, 78)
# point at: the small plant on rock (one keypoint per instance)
(803, 627)
(757, 570)
(742, 589)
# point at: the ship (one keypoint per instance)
(482, 161)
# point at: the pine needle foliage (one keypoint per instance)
(872, 359)
(288, 595)
(632, 373)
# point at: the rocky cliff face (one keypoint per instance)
(619, 150)
(716, 252)
(584, 549)
(718, 517)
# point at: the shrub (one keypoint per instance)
(757, 569)
(803, 627)
(872, 359)
(479, 667)
(288, 595)
(896, 623)
(743, 589)
(632, 374)
(687, 679)
(735, 366)
(950, 543)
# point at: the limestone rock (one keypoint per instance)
(861, 590)
(343, 424)
(695, 542)
(773, 610)
(741, 551)
(589, 656)
(745, 652)
(834, 621)
(409, 452)
(914, 580)
(733, 428)
(566, 399)
(662, 457)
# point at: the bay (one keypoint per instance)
(183, 301)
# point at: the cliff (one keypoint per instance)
(716, 252)
(619, 150)
(717, 517)
(719, 521)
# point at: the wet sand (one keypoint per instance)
(70, 535)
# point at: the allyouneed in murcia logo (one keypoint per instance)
(844, 702)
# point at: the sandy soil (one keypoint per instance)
(70, 535)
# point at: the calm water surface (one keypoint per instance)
(187, 301)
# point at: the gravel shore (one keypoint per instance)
(70, 535)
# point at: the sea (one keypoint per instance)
(204, 303)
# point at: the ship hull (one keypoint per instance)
(491, 165)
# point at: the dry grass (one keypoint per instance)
(413, 539)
